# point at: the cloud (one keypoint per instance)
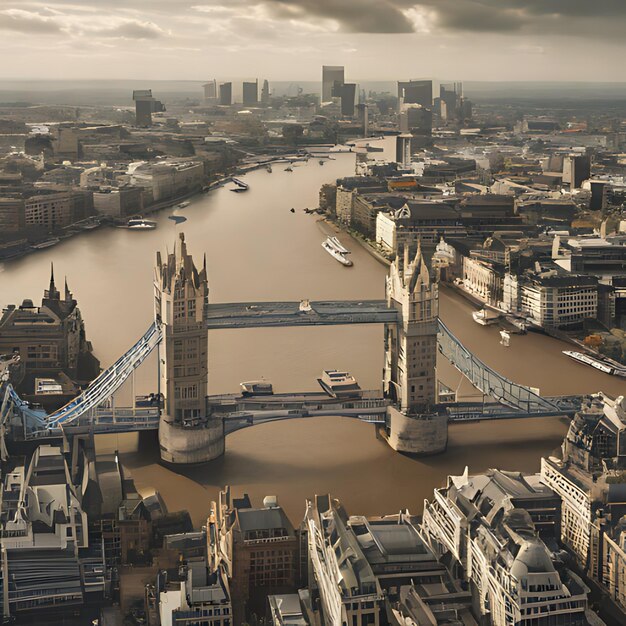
(352, 16)
(132, 29)
(27, 22)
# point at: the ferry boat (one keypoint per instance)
(139, 223)
(333, 241)
(338, 256)
(241, 186)
(184, 204)
(485, 317)
(339, 384)
(46, 244)
(587, 359)
(256, 388)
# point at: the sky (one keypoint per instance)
(547, 40)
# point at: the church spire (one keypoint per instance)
(51, 293)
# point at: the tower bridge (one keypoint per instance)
(192, 425)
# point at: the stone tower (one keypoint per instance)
(181, 292)
(411, 345)
(409, 377)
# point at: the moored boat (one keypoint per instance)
(184, 204)
(46, 244)
(587, 359)
(339, 384)
(333, 241)
(485, 317)
(338, 256)
(139, 223)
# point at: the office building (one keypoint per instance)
(265, 92)
(251, 93)
(226, 94)
(363, 117)
(145, 106)
(489, 526)
(415, 92)
(347, 93)
(576, 170)
(331, 75)
(11, 215)
(210, 91)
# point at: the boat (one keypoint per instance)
(485, 317)
(337, 245)
(505, 338)
(241, 186)
(289, 169)
(519, 323)
(587, 359)
(46, 244)
(339, 384)
(256, 388)
(184, 204)
(139, 223)
(321, 161)
(338, 256)
(269, 169)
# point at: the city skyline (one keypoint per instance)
(471, 40)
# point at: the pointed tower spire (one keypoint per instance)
(52, 286)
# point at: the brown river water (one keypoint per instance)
(258, 250)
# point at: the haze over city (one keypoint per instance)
(552, 40)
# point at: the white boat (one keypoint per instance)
(589, 360)
(333, 241)
(339, 384)
(256, 388)
(46, 244)
(505, 338)
(336, 254)
(139, 223)
(485, 317)
(184, 204)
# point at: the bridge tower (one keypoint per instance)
(181, 294)
(415, 426)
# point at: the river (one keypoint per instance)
(257, 249)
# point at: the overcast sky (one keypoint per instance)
(291, 39)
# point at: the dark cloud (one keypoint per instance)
(353, 16)
(27, 22)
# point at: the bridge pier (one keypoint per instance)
(180, 445)
(420, 435)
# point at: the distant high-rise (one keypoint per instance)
(251, 93)
(145, 106)
(226, 94)
(363, 116)
(450, 100)
(347, 93)
(415, 92)
(210, 90)
(265, 92)
(331, 74)
(415, 119)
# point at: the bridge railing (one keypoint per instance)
(487, 380)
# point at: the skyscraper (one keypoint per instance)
(226, 94)
(210, 90)
(331, 74)
(145, 106)
(251, 93)
(347, 93)
(265, 92)
(415, 92)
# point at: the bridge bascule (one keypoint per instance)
(192, 424)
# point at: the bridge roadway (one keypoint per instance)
(266, 314)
